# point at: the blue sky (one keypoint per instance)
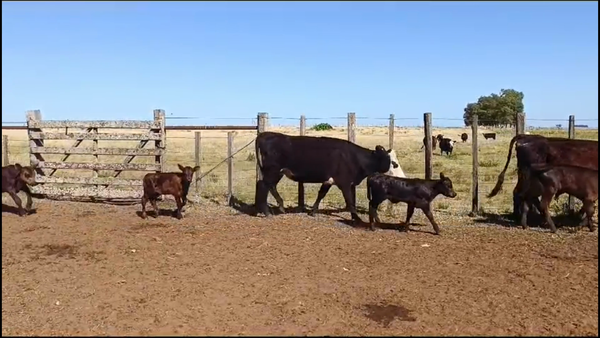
(218, 60)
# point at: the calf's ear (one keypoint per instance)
(389, 150)
(18, 166)
(180, 167)
(379, 148)
(196, 168)
(442, 176)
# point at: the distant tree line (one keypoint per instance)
(496, 109)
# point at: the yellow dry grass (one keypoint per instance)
(408, 141)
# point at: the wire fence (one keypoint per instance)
(210, 150)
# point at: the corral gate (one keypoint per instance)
(105, 187)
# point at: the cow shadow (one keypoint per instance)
(161, 212)
(386, 226)
(250, 210)
(534, 220)
(14, 210)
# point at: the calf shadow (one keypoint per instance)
(387, 226)
(250, 210)
(14, 210)
(161, 212)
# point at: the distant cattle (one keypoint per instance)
(434, 141)
(175, 184)
(488, 136)
(446, 146)
(309, 159)
(537, 149)
(549, 181)
(415, 192)
(15, 178)
(464, 137)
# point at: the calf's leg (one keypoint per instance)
(144, 201)
(427, 210)
(524, 212)
(589, 208)
(347, 192)
(29, 202)
(17, 200)
(179, 206)
(373, 217)
(322, 192)
(546, 199)
(153, 200)
(410, 211)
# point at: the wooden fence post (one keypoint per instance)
(261, 126)
(34, 115)
(159, 116)
(352, 127)
(391, 129)
(301, 185)
(5, 161)
(475, 157)
(230, 167)
(571, 201)
(520, 125)
(428, 146)
(198, 159)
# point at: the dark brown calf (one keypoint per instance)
(15, 178)
(464, 137)
(549, 181)
(489, 136)
(175, 184)
(415, 192)
(434, 141)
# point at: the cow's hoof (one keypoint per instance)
(281, 210)
(179, 217)
(22, 213)
(311, 213)
(143, 216)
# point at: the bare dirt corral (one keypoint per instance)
(85, 269)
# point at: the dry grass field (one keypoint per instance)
(95, 269)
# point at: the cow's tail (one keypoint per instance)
(500, 181)
(369, 189)
(259, 158)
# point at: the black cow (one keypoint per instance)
(464, 137)
(309, 159)
(15, 178)
(548, 181)
(446, 145)
(489, 136)
(415, 192)
(537, 149)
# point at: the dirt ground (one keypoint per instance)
(89, 269)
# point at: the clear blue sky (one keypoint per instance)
(104, 60)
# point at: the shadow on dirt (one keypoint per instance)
(386, 314)
(534, 220)
(14, 210)
(248, 209)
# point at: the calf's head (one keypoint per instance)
(439, 137)
(444, 186)
(26, 174)
(383, 163)
(188, 172)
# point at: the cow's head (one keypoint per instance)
(188, 172)
(382, 159)
(395, 169)
(444, 186)
(439, 137)
(26, 174)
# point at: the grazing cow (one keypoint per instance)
(415, 192)
(446, 145)
(489, 136)
(537, 149)
(309, 159)
(464, 137)
(15, 178)
(434, 141)
(549, 181)
(175, 184)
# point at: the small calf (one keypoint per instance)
(464, 137)
(434, 141)
(550, 181)
(15, 178)
(415, 192)
(446, 145)
(489, 136)
(175, 184)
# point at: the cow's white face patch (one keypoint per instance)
(396, 172)
(330, 181)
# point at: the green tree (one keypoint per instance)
(495, 109)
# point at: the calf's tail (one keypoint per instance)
(500, 181)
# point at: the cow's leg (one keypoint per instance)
(277, 196)
(322, 192)
(353, 191)
(17, 200)
(373, 217)
(524, 212)
(546, 199)
(347, 192)
(427, 210)
(589, 208)
(29, 202)
(144, 201)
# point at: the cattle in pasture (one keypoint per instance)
(537, 149)
(434, 141)
(176, 184)
(464, 137)
(16, 178)
(415, 192)
(549, 181)
(488, 136)
(309, 159)
(446, 146)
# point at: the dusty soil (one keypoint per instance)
(86, 269)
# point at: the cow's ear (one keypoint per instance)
(442, 176)
(196, 168)
(379, 148)
(389, 150)
(180, 167)
(18, 166)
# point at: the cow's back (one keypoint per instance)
(557, 151)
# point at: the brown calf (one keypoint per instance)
(434, 141)
(464, 137)
(15, 178)
(549, 181)
(176, 184)
(489, 136)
